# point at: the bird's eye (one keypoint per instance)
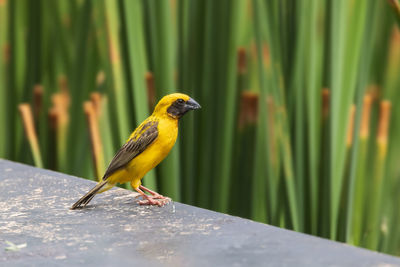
(180, 101)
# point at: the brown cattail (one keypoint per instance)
(30, 132)
(95, 139)
(37, 100)
(325, 102)
(60, 102)
(95, 97)
(56, 100)
(53, 118)
(151, 90)
(28, 121)
(350, 128)
(59, 120)
(60, 111)
(242, 61)
(365, 116)
(384, 119)
(374, 91)
(64, 98)
(248, 112)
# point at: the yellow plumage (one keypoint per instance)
(151, 157)
(148, 145)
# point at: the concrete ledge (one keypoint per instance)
(114, 231)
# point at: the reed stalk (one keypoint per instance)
(374, 218)
(92, 112)
(360, 179)
(30, 132)
(4, 59)
(119, 89)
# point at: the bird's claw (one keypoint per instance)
(158, 200)
(158, 196)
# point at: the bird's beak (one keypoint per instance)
(192, 104)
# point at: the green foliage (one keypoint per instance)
(276, 140)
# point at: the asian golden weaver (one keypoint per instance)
(146, 147)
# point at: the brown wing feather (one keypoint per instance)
(143, 136)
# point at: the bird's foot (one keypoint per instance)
(158, 200)
(158, 196)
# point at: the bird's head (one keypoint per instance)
(175, 105)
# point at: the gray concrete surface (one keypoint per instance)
(115, 231)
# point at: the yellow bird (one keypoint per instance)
(147, 146)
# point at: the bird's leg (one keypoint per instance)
(152, 200)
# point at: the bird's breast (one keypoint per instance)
(167, 134)
(157, 151)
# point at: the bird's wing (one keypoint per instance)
(141, 138)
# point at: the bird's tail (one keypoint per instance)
(83, 201)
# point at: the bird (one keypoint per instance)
(145, 148)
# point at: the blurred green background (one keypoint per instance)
(299, 126)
